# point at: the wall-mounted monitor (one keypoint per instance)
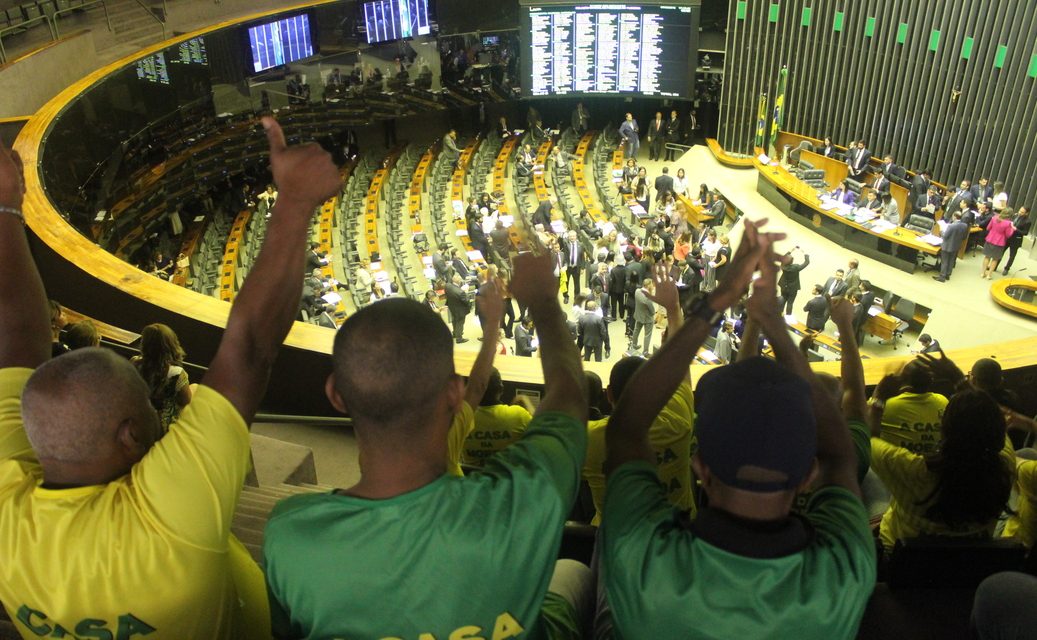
(646, 48)
(281, 41)
(191, 52)
(488, 42)
(153, 69)
(386, 20)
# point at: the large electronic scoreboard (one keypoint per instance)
(609, 48)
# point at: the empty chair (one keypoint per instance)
(921, 224)
(795, 153)
(854, 185)
(905, 312)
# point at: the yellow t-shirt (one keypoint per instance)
(496, 427)
(462, 425)
(1023, 524)
(912, 421)
(671, 437)
(910, 482)
(149, 553)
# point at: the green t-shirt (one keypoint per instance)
(460, 557)
(663, 581)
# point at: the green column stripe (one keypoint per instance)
(869, 28)
(999, 57)
(902, 33)
(966, 48)
(773, 15)
(839, 18)
(1033, 67)
(807, 14)
(740, 10)
(934, 40)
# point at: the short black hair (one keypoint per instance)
(917, 376)
(621, 373)
(494, 389)
(392, 360)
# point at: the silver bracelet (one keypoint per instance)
(14, 211)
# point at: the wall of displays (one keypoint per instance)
(396, 19)
(608, 48)
(191, 52)
(153, 69)
(279, 42)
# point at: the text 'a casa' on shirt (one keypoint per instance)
(150, 553)
(1022, 525)
(912, 420)
(910, 485)
(496, 427)
(719, 577)
(459, 557)
(672, 439)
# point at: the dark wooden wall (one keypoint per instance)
(891, 87)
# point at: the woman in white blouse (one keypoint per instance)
(1000, 196)
(680, 183)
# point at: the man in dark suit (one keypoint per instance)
(963, 193)
(982, 191)
(673, 134)
(663, 184)
(866, 294)
(887, 167)
(881, 184)
(872, 201)
(457, 304)
(524, 338)
(788, 282)
(617, 290)
(542, 215)
(928, 203)
(689, 281)
(1022, 224)
(628, 129)
(580, 119)
(953, 237)
(817, 310)
(656, 136)
(920, 184)
(857, 160)
(441, 262)
(593, 333)
(575, 261)
(314, 258)
(836, 285)
(477, 236)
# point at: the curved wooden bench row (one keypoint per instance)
(235, 242)
(457, 195)
(500, 170)
(539, 184)
(192, 238)
(999, 291)
(583, 186)
(726, 158)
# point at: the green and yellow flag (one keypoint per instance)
(779, 105)
(761, 121)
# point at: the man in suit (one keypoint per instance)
(575, 261)
(689, 280)
(881, 183)
(982, 191)
(673, 134)
(927, 203)
(617, 291)
(593, 333)
(920, 185)
(963, 193)
(644, 317)
(887, 168)
(817, 310)
(788, 282)
(872, 202)
(477, 236)
(628, 129)
(524, 338)
(983, 215)
(542, 214)
(953, 237)
(928, 344)
(457, 304)
(836, 285)
(1022, 224)
(857, 160)
(656, 136)
(580, 119)
(441, 262)
(450, 151)
(853, 275)
(663, 184)
(562, 161)
(314, 258)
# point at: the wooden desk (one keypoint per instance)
(229, 266)
(881, 325)
(105, 330)
(539, 184)
(583, 186)
(836, 171)
(500, 170)
(1024, 305)
(725, 158)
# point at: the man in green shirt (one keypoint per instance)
(744, 568)
(409, 552)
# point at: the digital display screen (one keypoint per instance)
(609, 48)
(153, 69)
(396, 19)
(279, 42)
(191, 52)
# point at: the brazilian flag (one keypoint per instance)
(779, 106)
(761, 121)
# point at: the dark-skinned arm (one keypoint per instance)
(491, 304)
(837, 460)
(750, 340)
(855, 400)
(648, 391)
(24, 313)
(535, 286)
(268, 302)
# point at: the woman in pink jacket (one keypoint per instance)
(999, 230)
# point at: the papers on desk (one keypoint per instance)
(931, 239)
(638, 211)
(374, 266)
(942, 224)
(426, 260)
(458, 207)
(507, 221)
(764, 158)
(874, 311)
(618, 173)
(475, 254)
(880, 225)
(430, 273)
(860, 216)
(381, 276)
(605, 227)
(461, 233)
(558, 226)
(331, 298)
(707, 354)
(828, 205)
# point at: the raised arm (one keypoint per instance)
(750, 340)
(491, 306)
(667, 296)
(854, 402)
(654, 383)
(24, 317)
(535, 287)
(835, 454)
(268, 301)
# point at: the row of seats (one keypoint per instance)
(20, 17)
(351, 203)
(204, 262)
(398, 187)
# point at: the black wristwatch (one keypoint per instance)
(700, 309)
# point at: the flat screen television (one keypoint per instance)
(606, 48)
(279, 42)
(490, 41)
(386, 20)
